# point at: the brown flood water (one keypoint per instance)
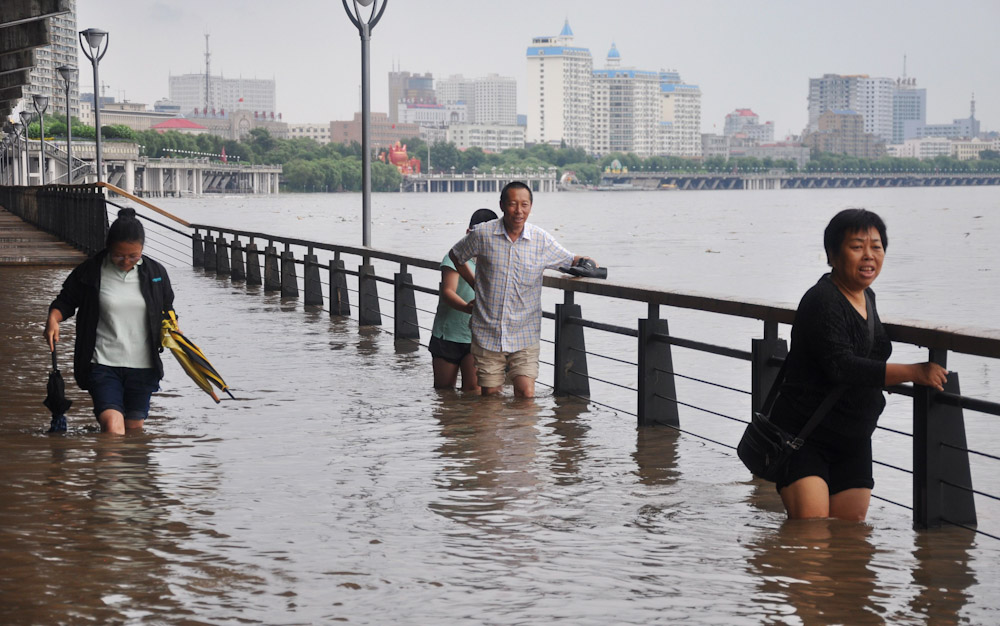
(340, 487)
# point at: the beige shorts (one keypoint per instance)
(493, 368)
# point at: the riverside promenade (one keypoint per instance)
(24, 244)
(339, 486)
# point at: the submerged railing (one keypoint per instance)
(942, 485)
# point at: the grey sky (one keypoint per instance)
(742, 54)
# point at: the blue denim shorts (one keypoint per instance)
(124, 389)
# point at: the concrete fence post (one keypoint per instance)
(657, 398)
(272, 275)
(313, 286)
(237, 270)
(405, 306)
(222, 257)
(197, 250)
(289, 279)
(211, 261)
(369, 313)
(940, 457)
(340, 300)
(253, 265)
(570, 376)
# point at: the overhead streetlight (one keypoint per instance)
(68, 74)
(41, 103)
(25, 122)
(17, 129)
(365, 27)
(94, 37)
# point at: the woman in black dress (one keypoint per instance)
(831, 475)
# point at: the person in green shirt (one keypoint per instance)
(451, 338)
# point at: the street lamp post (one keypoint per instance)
(41, 103)
(92, 50)
(365, 27)
(16, 145)
(68, 74)
(25, 122)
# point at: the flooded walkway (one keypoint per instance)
(23, 244)
(340, 487)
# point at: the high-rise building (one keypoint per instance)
(44, 79)
(909, 104)
(747, 123)
(680, 117)
(843, 132)
(625, 108)
(872, 98)
(188, 91)
(409, 88)
(490, 99)
(559, 91)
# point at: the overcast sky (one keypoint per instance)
(757, 55)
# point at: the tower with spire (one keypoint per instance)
(559, 90)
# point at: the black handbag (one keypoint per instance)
(765, 447)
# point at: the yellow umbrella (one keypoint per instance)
(191, 358)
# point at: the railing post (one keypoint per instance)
(340, 301)
(197, 250)
(237, 272)
(211, 262)
(253, 265)
(657, 390)
(289, 280)
(570, 376)
(762, 371)
(222, 257)
(313, 286)
(272, 276)
(368, 307)
(939, 456)
(404, 306)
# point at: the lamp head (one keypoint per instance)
(67, 72)
(25, 118)
(18, 127)
(365, 3)
(41, 102)
(94, 37)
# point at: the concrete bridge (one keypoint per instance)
(779, 179)
(143, 176)
(480, 182)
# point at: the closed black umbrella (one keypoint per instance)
(56, 398)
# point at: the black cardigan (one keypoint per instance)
(82, 290)
(830, 347)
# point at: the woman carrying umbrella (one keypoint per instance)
(121, 296)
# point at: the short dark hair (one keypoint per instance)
(126, 228)
(482, 215)
(516, 184)
(851, 221)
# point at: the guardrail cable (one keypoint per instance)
(970, 490)
(699, 380)
(891, 466)
(601, 380)
(972, 528)
(704, 410)
(604, 356)
(970, 451)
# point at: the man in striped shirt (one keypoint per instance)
(511, 256)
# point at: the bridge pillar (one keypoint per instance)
(237, 272)
(211, 260)
(368, 306)
(289, 280)
(340, 301)
(130, 177)
(272, 276)
(405, 307)
(570, 376)
(197, 250)
(313, 286)
(253, 265)
(222, 257)
(940, 457)
(657, 390)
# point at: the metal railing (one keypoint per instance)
(74, 213)
(317, 273)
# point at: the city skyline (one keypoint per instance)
(314, 51)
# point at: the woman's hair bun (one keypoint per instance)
(126, 213)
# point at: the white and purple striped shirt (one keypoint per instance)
(507, 316)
